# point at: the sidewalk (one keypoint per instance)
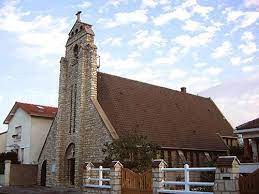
(37, 190)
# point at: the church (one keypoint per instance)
(95, 108)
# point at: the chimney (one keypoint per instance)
(183, 89)
(78, 15)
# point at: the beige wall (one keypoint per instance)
(39, 130)
(2, 141)
(34, 132)
(20, 118)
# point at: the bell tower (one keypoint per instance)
(77, 85)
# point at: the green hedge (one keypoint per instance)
(9, 156)
(2, 166)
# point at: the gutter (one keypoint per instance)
(240, 131)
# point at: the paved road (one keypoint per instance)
(37, 190)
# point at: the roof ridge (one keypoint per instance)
(25, 103)
(162, 87)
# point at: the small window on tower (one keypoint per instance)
(76, 51)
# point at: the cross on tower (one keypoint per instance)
(78, 15)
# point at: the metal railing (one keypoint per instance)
(187, 182)
(100, 178)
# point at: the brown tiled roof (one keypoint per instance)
(249, 125)
(33, 110)
(167, 117)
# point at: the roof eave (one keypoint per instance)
(240, 131)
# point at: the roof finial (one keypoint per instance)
(78, 15)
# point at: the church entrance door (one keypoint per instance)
(71, 171)
(43, 173)
(70, 164)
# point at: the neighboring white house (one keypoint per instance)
(28, 126)
(2, 141)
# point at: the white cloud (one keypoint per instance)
(199, 65)
(248, 48)
(183, 12)
(198, 40)
(123, 18)
(213, 71)
(196, 83)
(243, 93)
(84, 4)
(223, 50)
(249, 3)
(192, 26)
(249, 18)
(145, 39)
(173, 55)
(242, 19)
(41, 36)
(180, 14)
(202, 10)
(248, 68)
(149, 3)
(247, 36)
(236, 61)
(118, 64)
(177, 74)
(233, 15)
(112, 41)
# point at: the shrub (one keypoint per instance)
(134, 152)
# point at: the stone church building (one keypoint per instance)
(94, 108)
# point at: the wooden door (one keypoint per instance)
(249, 184)
(134, 183)
(71, 170)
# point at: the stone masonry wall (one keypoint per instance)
(48, 153)
(78, 121)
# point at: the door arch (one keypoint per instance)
(70, 163)
(43, 173)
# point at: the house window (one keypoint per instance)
(18, 133)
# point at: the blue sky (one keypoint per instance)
(211, 47)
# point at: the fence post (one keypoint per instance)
(186, 177)
(115, 182)
(89, 166)
(100, 175)
(7, 172)
(227, 175)
(158, 175)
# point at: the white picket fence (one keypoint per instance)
(187, 182)
(100, 178)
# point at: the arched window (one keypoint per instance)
(70, 152)
(76, 51)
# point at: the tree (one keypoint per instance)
(9, 156)
(134, 152)
(237, 150)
